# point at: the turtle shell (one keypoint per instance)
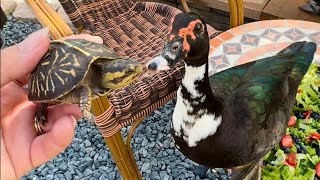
(63, 67)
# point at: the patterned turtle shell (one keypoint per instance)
(64, 67)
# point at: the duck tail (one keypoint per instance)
(247, 172)
(303, 54)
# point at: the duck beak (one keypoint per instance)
(170, 55)
(158, 63)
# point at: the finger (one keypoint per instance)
(11, 95)
(7, 170)
(88, 37)
(58, 111)
(24, 80)
(19, 60)
(18, 133)
(49, 145)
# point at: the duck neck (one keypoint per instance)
(196, 89)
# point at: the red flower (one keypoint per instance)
(291, 160)
(318, 169)
(287, 141)
(315, 135)
(307, 114)
(292, 121)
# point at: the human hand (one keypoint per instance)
(21, 149)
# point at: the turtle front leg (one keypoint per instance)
(85, 103)
(42, 113)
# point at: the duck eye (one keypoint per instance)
(175, 47)
(198, 27)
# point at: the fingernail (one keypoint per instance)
(97, 39)
(33, 40)
(74, 121)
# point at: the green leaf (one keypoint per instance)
(307, 121)
(309, 97)
(270, 172)
(310, 174)
(267, 155)
(311, 151)
(287, 172)
(281, 157)
(314, 159)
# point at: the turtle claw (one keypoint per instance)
(41, 114)
(92, 120)
(42, 119)
(88, 116)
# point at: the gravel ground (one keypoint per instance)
(88, 158)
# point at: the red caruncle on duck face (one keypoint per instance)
(185, 32)
(188, 31)
(187, 39)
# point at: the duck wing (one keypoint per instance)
(257, 89)
(258, 97)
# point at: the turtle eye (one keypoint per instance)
(198, 26)
(175, 46)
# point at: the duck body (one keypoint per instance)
(234, 117)
(218, 128)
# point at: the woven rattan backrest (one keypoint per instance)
(132, 29)
(78, 10)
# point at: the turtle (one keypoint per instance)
(77, 71)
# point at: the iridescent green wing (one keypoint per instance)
(264, 89)
(255, 89)
(223, 83)
(270, 85)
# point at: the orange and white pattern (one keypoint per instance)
(260, 39)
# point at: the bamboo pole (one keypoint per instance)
(240, 8)
(43, 19)
(55, 18)
(234, 20)
(185, 5)
(120, 154)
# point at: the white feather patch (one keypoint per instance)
(193, 74)
(203, 126)
(162, 63)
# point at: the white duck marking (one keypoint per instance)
(162, 63)
(198, 126)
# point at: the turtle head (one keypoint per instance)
(119, 73)
(187, 40)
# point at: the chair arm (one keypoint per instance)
(236, 11)
(48, 17)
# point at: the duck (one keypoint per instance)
(232, 118)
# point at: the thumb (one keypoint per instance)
(19, 60)
(45, 147)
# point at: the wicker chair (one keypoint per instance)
(132, 29)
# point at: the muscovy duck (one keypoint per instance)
(232, 118)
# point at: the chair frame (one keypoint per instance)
(121, 152)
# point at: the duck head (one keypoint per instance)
(187, 40)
